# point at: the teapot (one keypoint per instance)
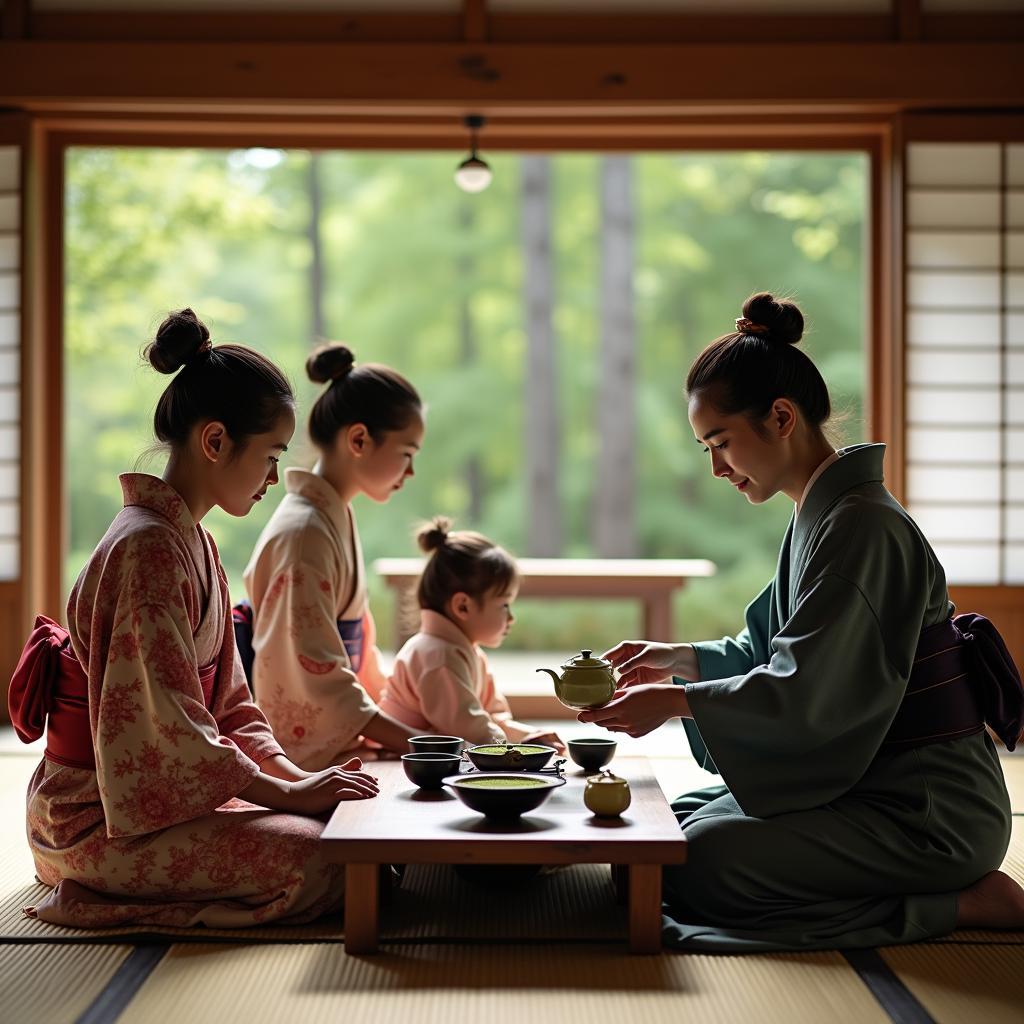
(606, 795)
(585, 682)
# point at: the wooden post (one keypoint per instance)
(658, 616)
(474, 21)
(645, 908)
(362, 907)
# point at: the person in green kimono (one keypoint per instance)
(823, 834)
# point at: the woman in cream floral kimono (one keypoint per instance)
(316, 671)
(168, 800)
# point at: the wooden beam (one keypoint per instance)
(266, 76)
(14, 19)
(909, 20)
(250, 26)
(542, 27)
(474, 21)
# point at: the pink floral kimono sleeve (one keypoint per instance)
(161, 755)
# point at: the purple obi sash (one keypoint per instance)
(962, 678)
(351, 631)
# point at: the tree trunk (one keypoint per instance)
(543, 515)
(316, 263)
(614, 529)
(466, 268)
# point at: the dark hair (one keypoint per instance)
(376, 396)
(747, 370)
(231, 383)
(461, 561)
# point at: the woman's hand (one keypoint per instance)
(644, 661)
(640, 709)
(323, 791)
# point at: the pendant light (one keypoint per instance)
(473, 174)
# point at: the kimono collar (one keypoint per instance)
(436, 624)
(856, 465)
(146, 491)
(319, 493)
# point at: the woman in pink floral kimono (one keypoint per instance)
(163, 797)
(316, 670)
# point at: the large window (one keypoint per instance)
(548, 322)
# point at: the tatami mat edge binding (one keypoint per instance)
(41, 985)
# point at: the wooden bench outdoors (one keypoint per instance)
(652, 581)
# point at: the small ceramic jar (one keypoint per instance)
(606, 795)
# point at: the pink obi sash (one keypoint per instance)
(50, 690)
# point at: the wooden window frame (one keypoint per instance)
(51, 136)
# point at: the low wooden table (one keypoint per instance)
(405, 825)
(651, 580)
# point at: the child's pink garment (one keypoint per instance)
(155, 834)
(440, 683)
(305, 574)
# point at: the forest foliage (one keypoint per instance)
(407, 258)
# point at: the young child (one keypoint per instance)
(440, 682)
(316, 671)
(152, 735)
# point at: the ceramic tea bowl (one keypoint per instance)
(592, 752)
(503, 796)
(436, 744)
(429, 769)
(513, 757)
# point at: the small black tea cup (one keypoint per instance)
(592, 752)
(436, 744)
(426, 770)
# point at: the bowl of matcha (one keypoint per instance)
(503, 796)
(510, 757)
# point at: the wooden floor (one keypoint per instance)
(433, 978)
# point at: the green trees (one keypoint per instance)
(420, 276)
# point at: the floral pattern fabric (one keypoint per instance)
(156, 833)
(305, 574)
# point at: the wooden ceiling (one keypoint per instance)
(614, 57)
(515, 21)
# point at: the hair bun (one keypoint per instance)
(329, 362)
(433, 535)
(782, 318)
(180, 337)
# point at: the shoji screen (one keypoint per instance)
(10, 360)
(965, 356)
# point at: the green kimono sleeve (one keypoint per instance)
(730, 656)
(800, 730)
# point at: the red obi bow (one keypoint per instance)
(48, 675)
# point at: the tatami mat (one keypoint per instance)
(963, 983)
(43, 985)
(1013, 772)
(1013, 865)
(575, 903)
(500, 985)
